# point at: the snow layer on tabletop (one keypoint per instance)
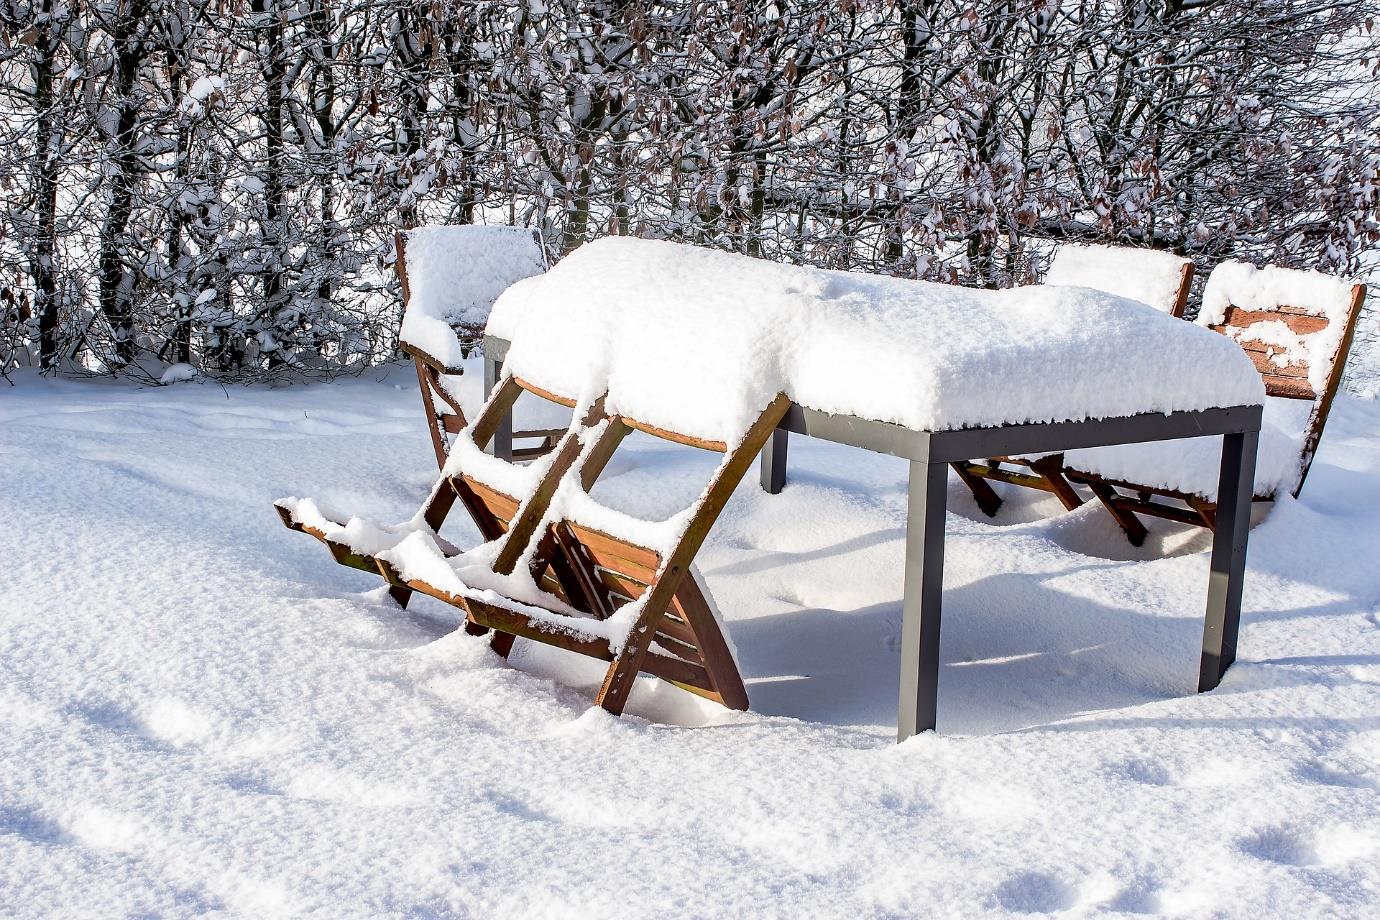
(1147, 275)
(1240, 284)
(1192, 465)
(699, 341)
(454, 275)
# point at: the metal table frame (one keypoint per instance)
(930, 453)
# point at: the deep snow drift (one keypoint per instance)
(203, 714)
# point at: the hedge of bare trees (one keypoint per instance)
(218, 182)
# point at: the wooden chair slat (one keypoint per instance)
(1299, 322)
(678, 629)
(1283, 387)
(545, 394)
(620, 556)
(618, 583)
(500, 505)
(675, 437)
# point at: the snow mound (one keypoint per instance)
(178, 373)
(1147, 275)
(454, 275)
(1242, 285)
(700, 341)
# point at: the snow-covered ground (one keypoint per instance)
(200, 713)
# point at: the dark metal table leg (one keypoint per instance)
(774, 462)
(924, 590)
(502, 444)
(1235, 486)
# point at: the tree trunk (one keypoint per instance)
(116, 294)
(45, 168)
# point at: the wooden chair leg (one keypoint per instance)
(1130, 524)
(987, 498)
(433, 418)
(622, 674)
(1206, 510)
(1051, 469)
(714, 651)
(502, 643)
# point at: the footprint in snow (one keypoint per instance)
(1297, 847)
(104, 829)
(177, 724)
(1035, 893)
(1366, 674)
(326, 784)
(1141, 897)
(1146, 771)
(23, 821)
(1322, 773)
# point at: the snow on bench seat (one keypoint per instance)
(700, 341)
(454, 275)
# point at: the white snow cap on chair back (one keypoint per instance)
(699, 341)
(1147, 275)
(1291, 321)
(454, 275)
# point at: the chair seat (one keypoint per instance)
(1191, 465)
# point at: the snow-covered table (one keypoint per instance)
(699, 341)
(930, 454)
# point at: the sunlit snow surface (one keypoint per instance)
(201, 714)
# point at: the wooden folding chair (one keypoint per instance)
(444, 415)
(1103, 268)
(1125, 497)
(587, 576)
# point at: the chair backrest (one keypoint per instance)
(1297, 328)
(450, 277)
(1160, 279)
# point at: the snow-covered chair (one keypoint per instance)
(450, 277)
(1160, 279)
(1297, 328)
(596, 582)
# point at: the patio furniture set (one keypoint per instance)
(711, 351)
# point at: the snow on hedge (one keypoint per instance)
(1240, 284)
(1147, 275)
(700, 341)
(454, 274)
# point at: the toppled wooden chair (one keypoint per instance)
(1160, 279)
(1297, 328)
(592, 584)
(450, 277)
